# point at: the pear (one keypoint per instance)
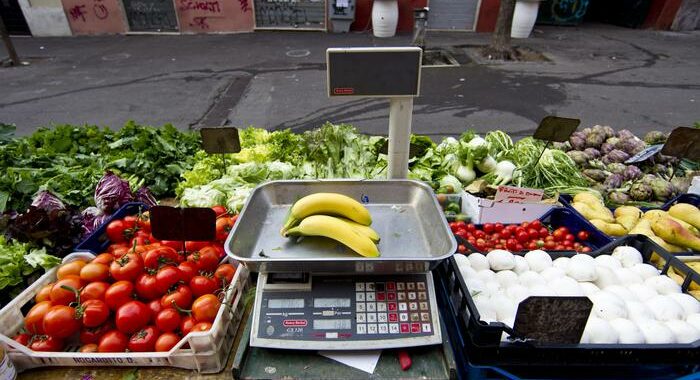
(674, 233)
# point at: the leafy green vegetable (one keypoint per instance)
(17, 261)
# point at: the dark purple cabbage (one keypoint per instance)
(593, 153)
(632, 172)
(90, 214)
(144, 195)
(47, 201)
(613, 181)
(615, 155)
(112, 192)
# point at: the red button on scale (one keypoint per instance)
(415, 328)
(391, 296)
(392, 306)
(393, 317)
(405, 328)
(390, 286)
(381, 297)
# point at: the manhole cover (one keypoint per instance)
(438, 58)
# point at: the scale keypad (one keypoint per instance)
(385, 315)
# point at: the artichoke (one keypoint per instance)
(595, 140)
(596, 164)
(615, 155)
(586, 131)
(613, 181)
(648, 179)
(631, 173)
(577, 142)
(625, 134)
(655, 137)
(612, 140)
(616, 168)
(631, 146)
(579, 157)
(609, 132)
(565, 146)
(592, 153)
(640, 191)
(596, 175)
(662, 189)
(619, 197)
(598, 129)
(606, 148)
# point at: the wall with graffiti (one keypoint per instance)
(211, 16)
(95, 16)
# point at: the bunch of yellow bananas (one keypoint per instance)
(334, 216)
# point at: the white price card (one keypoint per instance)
(512, 194)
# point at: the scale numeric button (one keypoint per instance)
(381, 306)
(415, 328)
(360, 296)
(383, 328)
(405, 328)
(391, 296)
(390, 285)
(381, 296)
(403, 306)
(402, 296)
(400, 286)
(372, 329)
(361, 317)
(411, 285)
(422, 296)
(413, 306)
(362, 329)
(371, 317)
(425, 317)
(379, 286)
(392, 306)
(371, 306)
(420, 285)
(359, 286)
(360, 306)
(369, 286)
(370, 297)
(403, 317)
(393, 317)
(412, 296)
(409, 267)
(423, 305)
(394, 328)
(415, 317)
(426, 327)
(382, 317)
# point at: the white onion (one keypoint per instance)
(627, 331)
(684, 331)
(506, 278)
(521, 265)
(665, 308)
(608, 261)
(538, 260)
(663, 284)
(500, 259)
(655, 332)
(689, 304)
(478, 261)
(628, 256)
(645, 270)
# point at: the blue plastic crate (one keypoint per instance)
(98, 242)
(692, 199)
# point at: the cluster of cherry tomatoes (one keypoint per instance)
(519, 237)
(141, 295)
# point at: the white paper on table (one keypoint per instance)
(342, 3)
(362, 360)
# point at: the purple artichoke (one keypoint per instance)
(616, 168)
(613, 181)
(577, 142)
(592, 153)
(606, 148)
(640, 191)
(619, 197)
(632, 172)
(615, 155)
(595, 140)
(625, 134)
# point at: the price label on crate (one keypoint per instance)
(512, 194)
(220, 140)
(554, 128)
(191, 224)
(645, 154)
(683, 142)
(552, 319)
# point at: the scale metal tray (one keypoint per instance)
(414, 234)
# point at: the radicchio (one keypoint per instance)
(112, 192)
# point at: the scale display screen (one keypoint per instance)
(331, 302)
(287, 303)
(332, 324)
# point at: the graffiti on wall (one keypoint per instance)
(299, 14)
(94, 16)
(151, 15)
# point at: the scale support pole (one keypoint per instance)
(400, 116)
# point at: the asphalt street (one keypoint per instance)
(627, 78)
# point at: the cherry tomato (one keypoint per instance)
(93, 335)
(118, 231)
(549, 238)
(88, 348)
(496, 236)
(498, 227)
(224, 225)
(470, 227)
(132, 316)
(127, 267)
(201, 285)
(558, 235)
(103, 258)
(540, 243)
(549, 245)
(144, 340)
(188, 269)
(94, 291)
(46, 343)
(62, 296)
(519, 247)
(23, 338)
(205, 308)
(201, 326)
(113, 341)
(525, 225)
(453, 226)
(70, 269)
(166, 277)
(512, 245)
(532, 245)
(506, 234)
(543, 232)
(488, 228)
(186, 325)
(570, 237)
(479, 234)
(462, 248)
(61, 321)
(95, 313)
(462, 233)
(166, 341)
(94, 272)
(145, 286)
(44, 293)
(522, 237)
(206, 259)
(533, 233)
(191, 246)
(586, 249)
(568, 244)
(118, 294)
(560, 247)
(181, 296)
(161, 256)
(168, 320)
(582, 235)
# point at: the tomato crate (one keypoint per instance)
(97, 241)
(477, 343)
(204, 352)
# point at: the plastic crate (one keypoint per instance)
(207, 352)
(479, 343)
(97, 241)
(692, 199)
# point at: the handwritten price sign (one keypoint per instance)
(512, 194)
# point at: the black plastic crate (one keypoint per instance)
(478, 343)
(98, 241)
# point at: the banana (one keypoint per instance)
(336, 229)
(363, 230)
(327, 203)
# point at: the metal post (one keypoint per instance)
(400, 115)
(14, 59)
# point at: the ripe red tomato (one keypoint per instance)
(61, 321)
(127, 267)
(462, 248)
(201, 326)
(570, 237)
(205, 308)
(563, 229)
(191, 246)
(511, 244)
(161, 256)
(168, 320)
(146, 288)
(582, 235)
(479, 234)
(586, 249)
(506, 234)
(118, 231)
(23, 338)
(181, 296)
(113, 341)
(462, 233)
(560, 247)
(186, 325)
(522, 237)
(188, 269)
(532, 245)
(488, 228)
(95, 313)
(132, 316)
(34, 320)
(46, 343)
(224, 225)
(525, 225)
(144, 340)
(453, 227)
(225, 272)
(94, 291)
(533, 233)
(536, 224)
(155, 308)
(143, 221)
(118, 294)
(558, 235)
(519, 247)
(89, 348)
(166, 341)
(93, 335)
(219, 210)
(549, 245)
(498, 227)
(206, 259)
(166, 277)
(103, 258)
(544, 232)
(174, 244)
(94, 272)
(60, 295)
(470, 227)
(201, 285)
